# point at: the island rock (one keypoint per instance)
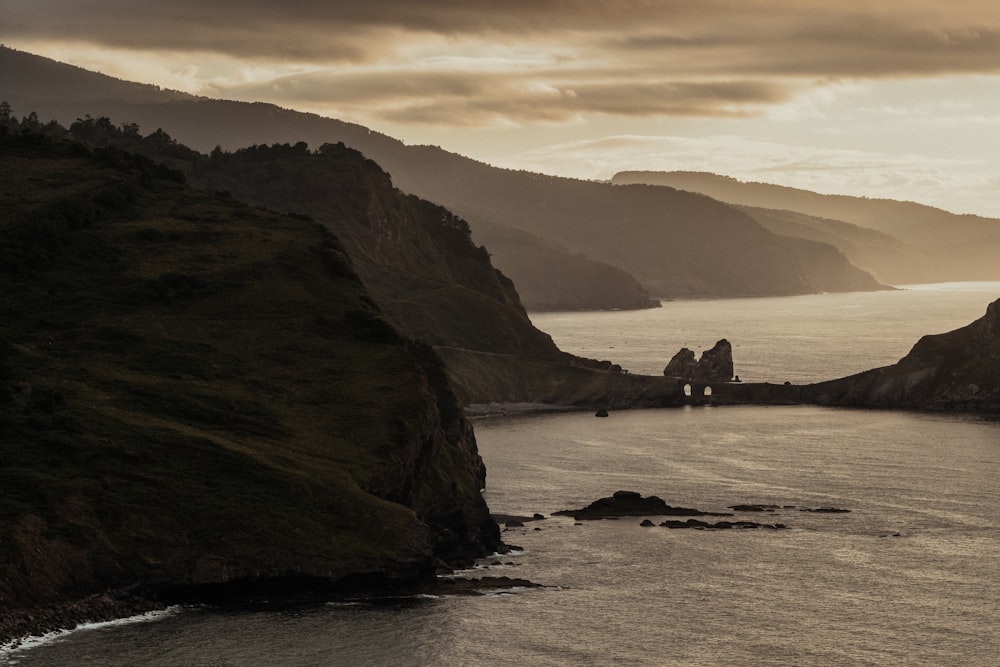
(715, 365)
(630, 503)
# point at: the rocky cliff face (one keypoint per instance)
(955, 370)
(195, 392)
(715, 365)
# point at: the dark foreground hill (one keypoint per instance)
(195, 392)
(415, 258)
(674, 243)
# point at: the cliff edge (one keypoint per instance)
(199, 395)
(958, 370)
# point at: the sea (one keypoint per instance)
(908, 575)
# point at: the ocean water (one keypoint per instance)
(799, 339)
(909, 576)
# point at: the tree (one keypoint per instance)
(130, 130)
(4, 111)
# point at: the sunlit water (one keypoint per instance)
(800, 338)
(910, 576)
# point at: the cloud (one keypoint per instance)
(850, 37)
(449, 98)
(629, 57)
(881, 76)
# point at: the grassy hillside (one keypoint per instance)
(675, 244)
(957, 370)
(416, 258)
(194, 391)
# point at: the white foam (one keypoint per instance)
(12, 648)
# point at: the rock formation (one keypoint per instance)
(631, 503)
(681, 365)
(715, 365)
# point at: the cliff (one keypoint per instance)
(954, 371)
(416, 259)
(198, 394)
(958, 370)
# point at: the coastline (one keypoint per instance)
(488, 410)
(17, 626)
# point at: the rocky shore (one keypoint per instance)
(16, 625)
(631, 503)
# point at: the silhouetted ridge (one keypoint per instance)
(918, 243)
(673, 244)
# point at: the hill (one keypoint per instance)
(199, 396)
(415, 258)
(883, 256)
(675, 244)
(958, 370)
(933, 245)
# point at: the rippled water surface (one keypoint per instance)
(910, 576)
(799, 339)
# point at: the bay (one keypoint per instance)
(805, 338)
(909, 576)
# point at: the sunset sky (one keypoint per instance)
(893, 99)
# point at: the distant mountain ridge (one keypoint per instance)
(926, 245)
(676, 245)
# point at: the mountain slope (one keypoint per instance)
(673, 243)
(549, 279)
(943, 246)
(196, 392)
(415, 257)
(66, 93)
(958, 370)
(885, 257)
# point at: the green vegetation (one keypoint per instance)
(194, 391)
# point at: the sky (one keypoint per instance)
(897, 99)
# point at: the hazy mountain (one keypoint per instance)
(66, 93)
(883, 256)
(194, 391)
(551, 279)
(675, 244)
(941, 246)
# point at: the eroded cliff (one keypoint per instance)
(196, 392)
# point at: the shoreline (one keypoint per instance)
(488, 410)
(17, 627)
(28, 629)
